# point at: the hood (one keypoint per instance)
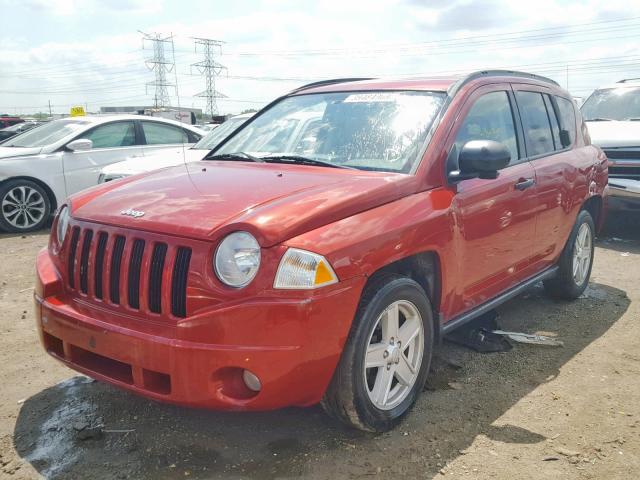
(153, 161)
(272, 201)
(9, 152)
(614, 134)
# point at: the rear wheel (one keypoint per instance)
(385, 363)
(24, 206)
(575, 262)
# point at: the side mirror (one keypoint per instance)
(481, 158)
(80, 145)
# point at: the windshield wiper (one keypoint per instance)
(633, 119)
(298, 160)
(236, 156)
(600, 119)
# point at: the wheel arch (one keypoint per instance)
(43, 185)
(595, 206)
(425, 269)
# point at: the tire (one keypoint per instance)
(575, 261)
(24, 206)
(353, 388)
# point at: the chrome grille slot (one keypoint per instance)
(84, 261)
(116, 262)
(179, 282)
(99, 264)
(133, 284)
(155, 277)
(73, 249)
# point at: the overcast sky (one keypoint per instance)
(90, 51)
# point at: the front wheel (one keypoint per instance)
(575, 262)
(385, 362)
(24, 206)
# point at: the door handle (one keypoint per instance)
(525, 183)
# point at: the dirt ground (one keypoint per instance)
(531, 413)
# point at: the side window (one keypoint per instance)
(490, 118)
(555, 127)
(157, 133)
(567, 119)
(117, 134)
(535, 121)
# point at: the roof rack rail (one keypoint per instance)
(625, 80)
(332, 81)
(484, 73)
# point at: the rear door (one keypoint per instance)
(553, 159)
(495, 218)
(112, 142)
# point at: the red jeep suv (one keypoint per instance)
(320, 261)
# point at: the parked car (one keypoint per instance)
(612, 115)
(299, 124)
(207, 127)
(8, 120)
(17, 129)
(41, 167)
(173, 156)
(266, 277)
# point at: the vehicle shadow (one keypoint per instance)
(39, 233)
(621, 232)
(84, 429)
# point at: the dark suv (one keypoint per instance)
(277, 273)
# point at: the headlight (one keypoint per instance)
(63, 224)
(300, 269)
(237, 259)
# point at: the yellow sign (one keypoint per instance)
(77, 111)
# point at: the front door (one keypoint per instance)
(112, 142)
(495, 219)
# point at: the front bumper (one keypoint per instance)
(292, 345)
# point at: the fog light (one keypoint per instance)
(251, 381)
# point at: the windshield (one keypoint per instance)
(46, 134)
(215, 136)
(613, 104)
(374, 130)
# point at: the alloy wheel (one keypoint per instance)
(394, 355)
(582, 254)
(23, 207)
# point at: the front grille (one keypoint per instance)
(624, 172)
(623, 154)
(120, 265)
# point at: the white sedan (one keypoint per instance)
(41, 167)
(174, 156)
(299, 128)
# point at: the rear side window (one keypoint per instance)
(567, 120)
(157, 133)
(535, 121)
(490, 118)
(555, 126)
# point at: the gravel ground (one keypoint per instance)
(533, 412)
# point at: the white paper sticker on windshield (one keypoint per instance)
(371, 97)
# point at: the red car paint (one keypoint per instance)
(488, 237)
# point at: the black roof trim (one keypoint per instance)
(333, 81)
(497, 73)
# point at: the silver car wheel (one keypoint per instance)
(394, 355)
(23, 207)
(582, 254)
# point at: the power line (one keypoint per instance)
(160, 66)
(210, 69)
